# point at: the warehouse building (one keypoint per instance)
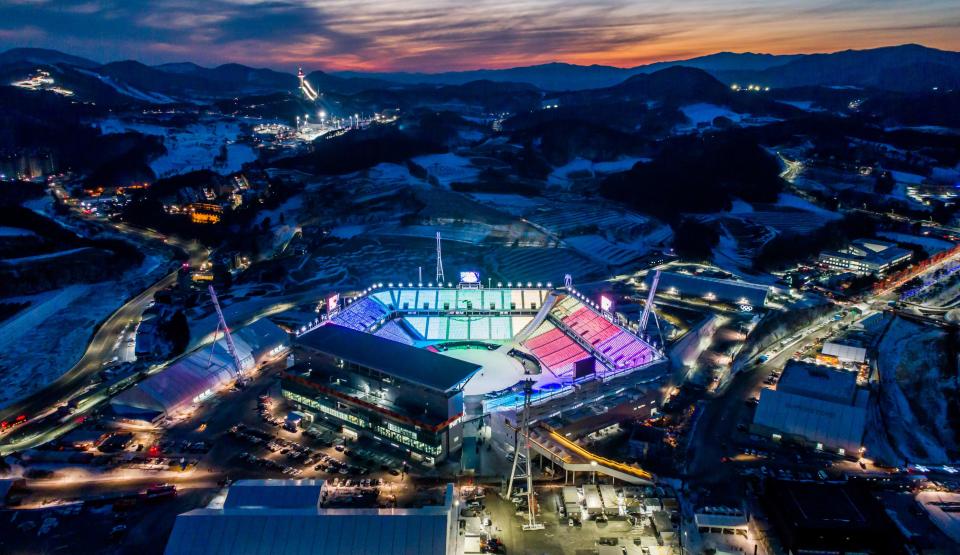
(814, 405)
(844, 352)
(866, 256)
(288, 517)
(411, 398)
(711, 289)
(199, 375)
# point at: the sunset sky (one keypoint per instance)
(440, 35)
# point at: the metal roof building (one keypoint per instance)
(420, 366)
(816, 404)
(845, 353)
(723, 290)
(269, 518)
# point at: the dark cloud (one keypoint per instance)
(434, 35)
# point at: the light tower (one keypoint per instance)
(523, 469)
(440, 277)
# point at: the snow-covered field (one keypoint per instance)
(704, 112)
(930, 244)
(193, 147)
(805, 105)
(563, 176)
(47, 338)
(448, 168)
(914, 393)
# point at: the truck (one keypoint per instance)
(571, 502)
(611, 502)
(591, 498)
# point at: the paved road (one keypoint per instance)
(716, 425)
(100, 351)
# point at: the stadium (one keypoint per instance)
(411, 365)
(554, 336)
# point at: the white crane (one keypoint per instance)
(222, 324)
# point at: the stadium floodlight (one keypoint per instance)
(549, 284)
(390, 284)
(509, 284)
(419, 284)
(539, 284)
(409, 284)
(499, 284)
(430, 284)
(529, 284)
(449, 284)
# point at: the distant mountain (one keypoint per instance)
(43, 56)
(553, 76)
(727, 61)
(907, 68)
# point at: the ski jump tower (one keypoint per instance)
(305, 87)
(522, 469)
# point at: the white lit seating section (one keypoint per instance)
(418, 323)
(407, 300)
(392, 330)
(385, 298)
(500, 328)
(459, 329)
(447, 296)
(480, 328)
(437, 329)
(360, 315)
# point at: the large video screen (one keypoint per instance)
(469, 277)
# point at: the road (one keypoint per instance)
(719, 417)
(101, 350)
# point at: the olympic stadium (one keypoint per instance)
(412, 364)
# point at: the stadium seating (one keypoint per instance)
(558, 352)
(518, 323)
(418, 323)
(480, 328)
(459, 329)
(360, 315)
(427, 297)
(437, 328)
(447, 296)
(385, 298)
(407, 299)
(500, 328)
(392, 330)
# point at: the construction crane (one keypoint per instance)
(648, 308)
(222, 324)
(524, 466)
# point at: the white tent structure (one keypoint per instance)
(200, 374)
